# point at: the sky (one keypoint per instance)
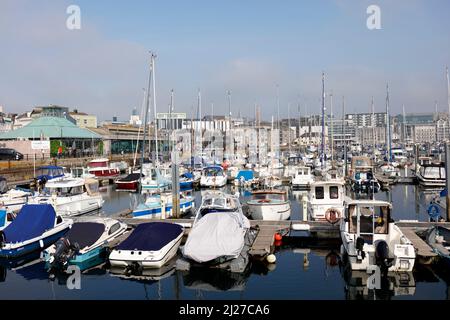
(249, 47)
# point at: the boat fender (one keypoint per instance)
(2, 238)
(382, 255)
(271, 258)
(333, 215)
(433, 211)
(41, 243)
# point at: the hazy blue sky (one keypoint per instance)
(244, 46)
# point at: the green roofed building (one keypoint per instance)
(50, 128)
(61, 132)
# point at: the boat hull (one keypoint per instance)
(270, 211)
(35, 246)
(149, 259)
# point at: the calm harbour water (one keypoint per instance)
(304, 270)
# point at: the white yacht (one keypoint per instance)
(326, 200)
(271, 205)
(370, 237)
(14, 199)
(71, 197)
(153, 180)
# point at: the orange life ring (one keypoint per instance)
(333, 215)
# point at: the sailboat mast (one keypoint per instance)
(153, 56)
(373, 124)
(388, 126)
(322, 147)
(147, 106)
(199, 106)
(448, 94)
(332, 128)
(289, 127)
(344, 136)
(278, 107)
(404, 123)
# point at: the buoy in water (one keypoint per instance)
(271, 258)
(278, 237)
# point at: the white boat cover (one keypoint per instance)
(215, 235)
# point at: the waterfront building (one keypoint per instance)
(84, 120)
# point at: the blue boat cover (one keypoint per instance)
(188, 175)
(2, 217)
(85, 233)
(247, 174)
(31, 222)
(151, 236)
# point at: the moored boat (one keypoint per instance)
(83, 243)
(371, 238)
(150, 245)
(36, 227)
(269, 205)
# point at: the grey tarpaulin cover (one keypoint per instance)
(215, 235)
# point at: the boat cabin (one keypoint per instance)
(304, 171)
(368, 218)
(433, 171)
(327, 192)
(49, 172)
(99, 163)
(268, 196)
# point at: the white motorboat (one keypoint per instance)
(326, 200)
(85, 243)
(150, 245)
(213, 177)
(302, 178)
(432, 175)
(14, 199)
(370, 237)
(219, 230)
(269, 205)
(72, 196)
(389, 170)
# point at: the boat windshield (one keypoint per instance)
(373, 220)
(269, 196)
(433, 172)
(212, 172)
(64, 192)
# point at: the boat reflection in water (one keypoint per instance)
(215, 280)
(30, 267)
(145, 274)
(393, 284)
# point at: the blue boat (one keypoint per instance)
(152, 208)
(186, 181)
(85, 245)
(36, 227)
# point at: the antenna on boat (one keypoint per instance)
(332, 128)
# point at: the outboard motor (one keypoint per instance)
(359, 245)
(63, 253)
(382, 256)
